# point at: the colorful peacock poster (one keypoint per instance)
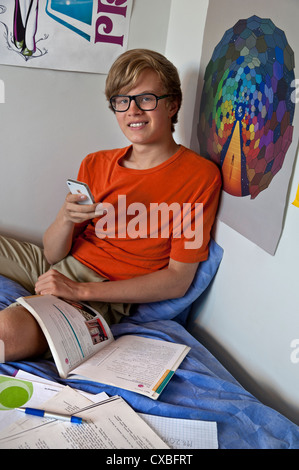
(246, 122)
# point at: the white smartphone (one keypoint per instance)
(77, 187)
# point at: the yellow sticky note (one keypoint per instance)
(296, 202)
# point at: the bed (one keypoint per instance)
(200, 389)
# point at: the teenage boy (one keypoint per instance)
(143, 89)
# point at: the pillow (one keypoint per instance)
(178, 309)
(10, 291)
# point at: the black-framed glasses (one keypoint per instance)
(144, 101)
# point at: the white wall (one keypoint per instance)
(51, 120)
(250, 315)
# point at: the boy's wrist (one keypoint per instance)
(86, 291)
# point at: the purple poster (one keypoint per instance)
(83, 36)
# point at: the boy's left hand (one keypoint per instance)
(54, 283)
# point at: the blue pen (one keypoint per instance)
(48, 414)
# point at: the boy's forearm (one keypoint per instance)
(59, 236)
(157, 286)
(135, 290)
(57, 239)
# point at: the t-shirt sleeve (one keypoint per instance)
(85, 171)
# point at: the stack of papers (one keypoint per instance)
(110, 423)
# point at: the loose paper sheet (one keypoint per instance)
(110, 425)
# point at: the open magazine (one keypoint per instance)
(83, 347)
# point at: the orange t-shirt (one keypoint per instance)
(152, 215)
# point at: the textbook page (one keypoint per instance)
(111, 424)
(74, 331)
(135, 363)
(83, 347)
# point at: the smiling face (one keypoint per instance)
(147, 127)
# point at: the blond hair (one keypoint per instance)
(127, 68)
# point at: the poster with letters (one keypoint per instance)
(71, 35)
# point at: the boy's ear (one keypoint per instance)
(173, 107)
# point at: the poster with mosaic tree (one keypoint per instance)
(247, 107)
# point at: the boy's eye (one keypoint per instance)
(120, 101)
(147, 98)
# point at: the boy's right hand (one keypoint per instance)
(78, 213)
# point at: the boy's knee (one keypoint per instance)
(20, 334)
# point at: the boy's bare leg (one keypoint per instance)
(21, 334)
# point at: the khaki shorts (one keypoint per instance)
(24, 262)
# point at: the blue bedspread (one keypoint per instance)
(200, 389)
